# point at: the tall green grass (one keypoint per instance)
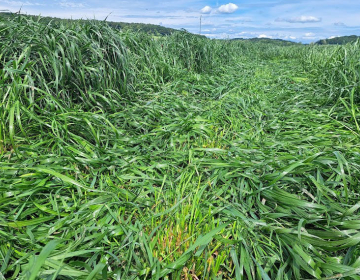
(128, 156)
(336, 70)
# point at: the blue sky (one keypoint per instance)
(298, 20)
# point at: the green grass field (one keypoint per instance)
(124, 156)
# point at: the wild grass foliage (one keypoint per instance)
(336, 69)
(127, 156)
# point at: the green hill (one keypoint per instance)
(338, 40)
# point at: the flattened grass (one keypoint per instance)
(129, 157)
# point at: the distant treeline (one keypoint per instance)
(338, 40)
(148, 28)
(278, 42)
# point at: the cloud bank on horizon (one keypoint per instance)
(297, 20)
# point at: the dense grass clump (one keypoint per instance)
(129, 156)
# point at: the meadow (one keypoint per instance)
(129, 156)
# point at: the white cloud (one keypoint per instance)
(20, 3)
(247, 34)
(206, 10)
(66, 4)
(310, 36)
(264, 36)
(228, 8)
(339, 23)
(301, 19)
(239, 19)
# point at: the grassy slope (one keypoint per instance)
(238, 170)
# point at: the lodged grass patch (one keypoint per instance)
(124, 156)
